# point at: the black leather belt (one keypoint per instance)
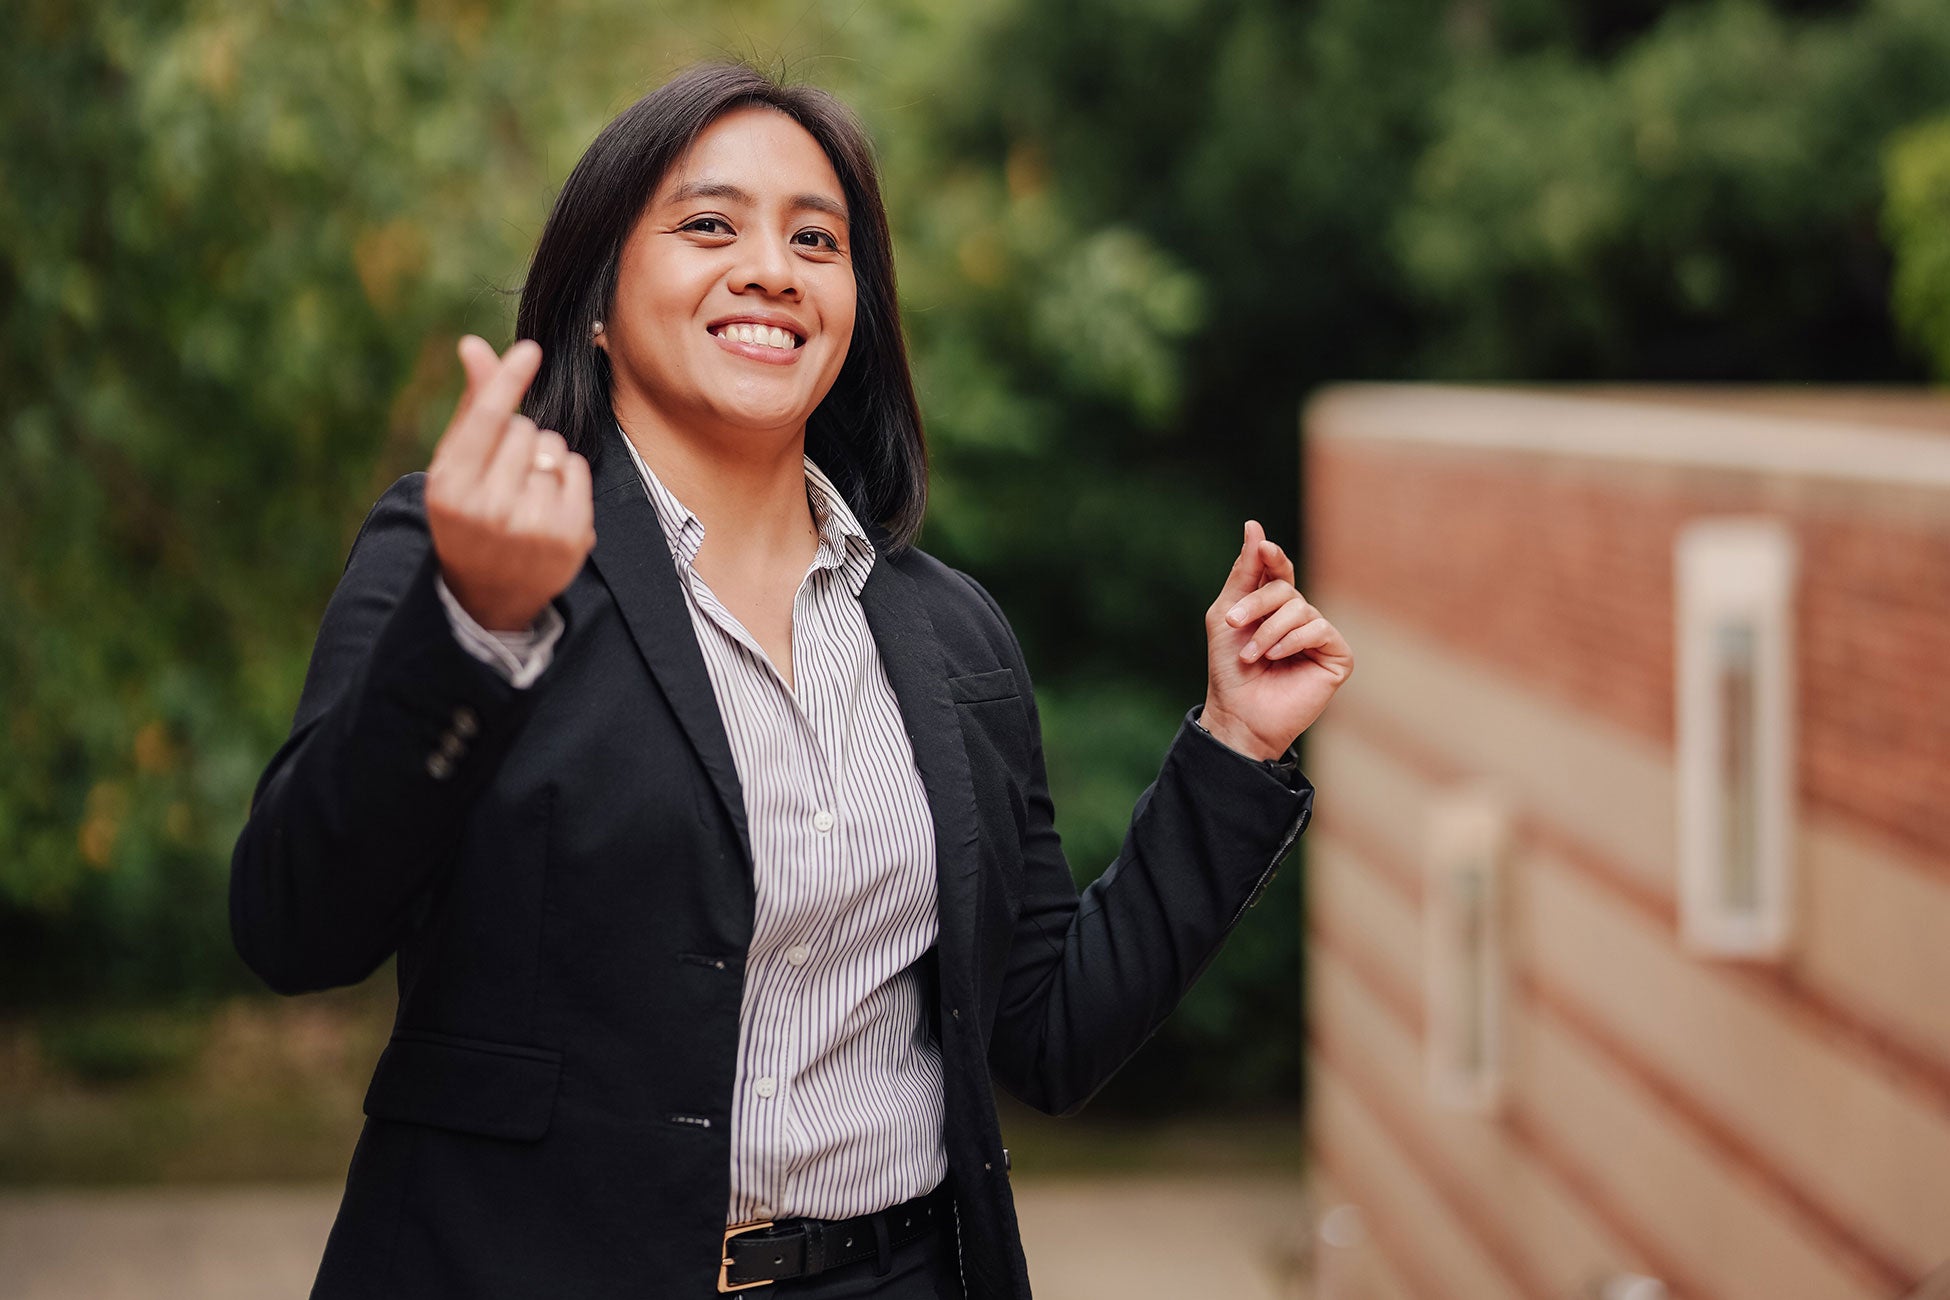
(759, 1254)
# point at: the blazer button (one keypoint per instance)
(466, 724)
(439, 766)
(452, 746)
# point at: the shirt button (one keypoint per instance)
(797, 954)
(766, 1087)
(822, 821)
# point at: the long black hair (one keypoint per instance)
(866, 434)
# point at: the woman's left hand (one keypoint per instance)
(1272, 661)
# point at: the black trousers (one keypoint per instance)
(927, 1269)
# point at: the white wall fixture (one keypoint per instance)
(1464, 967)
(1734, 584)
(1339, 1252)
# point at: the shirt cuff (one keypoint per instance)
(1285, 768)
(520, 657)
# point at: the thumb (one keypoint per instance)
(478, 359)
(1243, 580)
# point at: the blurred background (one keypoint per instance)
(1626, 914)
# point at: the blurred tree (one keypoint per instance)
(1916, 221)
(1703, 206)
(236, 244)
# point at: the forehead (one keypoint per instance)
(758, 150)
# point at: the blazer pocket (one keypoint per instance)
(973, 688)
(499, 1090)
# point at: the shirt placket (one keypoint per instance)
(793, 906)
(821, 863)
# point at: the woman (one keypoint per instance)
(717, 854)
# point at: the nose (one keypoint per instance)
(765, 267)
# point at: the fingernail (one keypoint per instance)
(1251, 652)
(1236, 613)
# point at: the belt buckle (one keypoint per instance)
(725, 1285)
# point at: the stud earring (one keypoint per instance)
(595, 332)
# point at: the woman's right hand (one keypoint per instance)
(508, 504)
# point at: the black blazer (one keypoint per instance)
(565, 875)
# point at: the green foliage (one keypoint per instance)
(1703, 206)
(236, 245)
(237, 242)
(1916, 221)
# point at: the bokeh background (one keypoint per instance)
(238, 240)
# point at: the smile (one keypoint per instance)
(760, 336)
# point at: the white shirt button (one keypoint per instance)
(766, 1087)
(822, 821)
(797, 954)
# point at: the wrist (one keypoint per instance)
(493, 615)
(1235, 735)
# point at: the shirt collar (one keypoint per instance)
(843, 544)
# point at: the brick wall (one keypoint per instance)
(1560, 573)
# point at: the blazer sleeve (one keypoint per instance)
(1089, 977)
(360, 811)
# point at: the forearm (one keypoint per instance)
(1100, 973)
(359, 812)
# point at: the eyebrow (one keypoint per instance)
(726, 190)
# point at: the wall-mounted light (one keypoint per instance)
(1734, 582)
(1465, 970)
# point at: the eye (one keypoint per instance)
(708, 226)
(813, 237)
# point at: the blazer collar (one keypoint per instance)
(633, 558)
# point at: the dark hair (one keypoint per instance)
(866, 434)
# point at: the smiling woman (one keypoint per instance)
(717, 854)
(689, 169)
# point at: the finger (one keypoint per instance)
(1320, 641)
(478, 360)
(514, 457)
(1294, 613)
(1256, 605)
(455, 451)
(551, 455)
(1245, 569)
(1275, 561)
(578, 498)
(549, 475)
(475, 437)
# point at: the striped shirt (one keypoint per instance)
(837, 1109)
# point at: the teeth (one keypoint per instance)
(769, 336)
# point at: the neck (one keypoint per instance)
(748, 489)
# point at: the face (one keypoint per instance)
(735, 293)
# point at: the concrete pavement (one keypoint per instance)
(1108, 1238)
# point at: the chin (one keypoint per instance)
(762, 411)
(763, 417)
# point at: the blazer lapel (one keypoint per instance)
(910, 651)
(633, 559)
